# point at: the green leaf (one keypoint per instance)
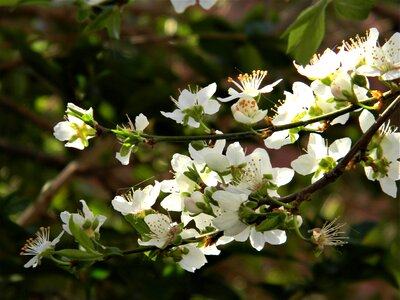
(75, 254)
(353, 9)
(138, 223)
(273, 220)
(81, 237)
(109, 18)
(306, 33)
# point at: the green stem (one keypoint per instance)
(297, 230)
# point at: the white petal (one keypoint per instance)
(339, 148)
(366, 120)
(270, 87)
(207, 4)
(173, 202)
(257, 239)
(206, 93)
(211, 107)
(120, 204)
(195, 259)
(177, 115)
(181, 5)
(141, 122)
(124, 160)
(235, 154)
(305, 164)
(282, 176)
(63, 131)
(275, 237)
(278, 139)
(388, 186)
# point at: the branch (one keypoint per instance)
(336, 172)
(38, 209)
(152, 139)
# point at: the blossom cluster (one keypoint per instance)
(224, 192)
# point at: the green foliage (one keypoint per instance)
(354, 9)
(306, 33)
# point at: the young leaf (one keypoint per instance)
(81, 237)
(75, 254)
(272, 221)
(306, 33)
(354, 9)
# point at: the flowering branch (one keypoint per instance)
(336, 172)
(152, 139)
(223, 193)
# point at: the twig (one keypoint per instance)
(38, 209)
(336, 172)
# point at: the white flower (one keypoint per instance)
(258, 175)
(320, 66)
(320, 159)
(163, 231)
(382, 155)
(39, 247)
(137, 201)
(383, 61)
(258, 239)
(192, 106)
(86, 220)
(181, 5)
(330, 234)
(73, 109)
(324, 101)
(124, 154)
(229, 222)
(217, 161)
(352, 53)
(193, 260)
(246, 111)
(249, 86)
(182, 185)
(75, 131)
(294, 109)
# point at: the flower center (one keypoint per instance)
(247, 107)
(249, 83)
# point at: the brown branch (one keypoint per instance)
(336, 172)
(27, 153)
(25, 113)
(38, 209)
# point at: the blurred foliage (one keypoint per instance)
(48, 58)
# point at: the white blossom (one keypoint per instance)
(320, 158)
(192, 106)
(137, 201)
(383, 61)
(246, 111)
(249, 86)
(384, 154)
(86, 220)
(181, 5)
(75, 131)
(124, 154)
(39, 247)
